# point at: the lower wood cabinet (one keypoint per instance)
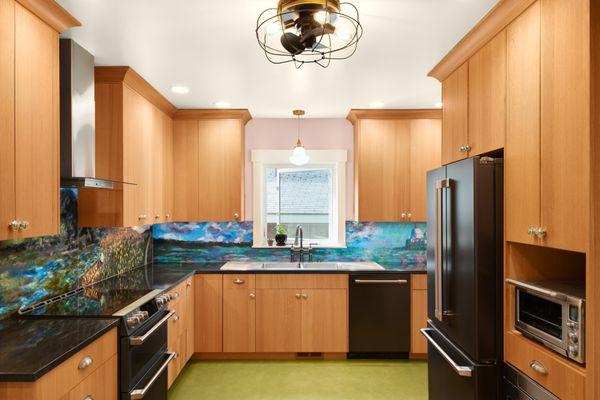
(239, 313)
(208, 313)
(418, 314)
(325, 320)
(278, 320)
(182, 298)
(70, 382)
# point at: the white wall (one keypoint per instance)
(317, 134)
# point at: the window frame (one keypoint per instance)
(335, 159)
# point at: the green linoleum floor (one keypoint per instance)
(306, 380)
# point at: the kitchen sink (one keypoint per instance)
(309, 266)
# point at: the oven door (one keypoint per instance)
(153, 385)
(542, 317)
(141, 351)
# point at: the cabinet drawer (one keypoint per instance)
(302, 281)
(565, 380)
(239, 281)
(101, 384)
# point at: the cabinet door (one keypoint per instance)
(325, 320)
(565, 124)
(221, 161)
(157, 165)
(168, 187)
(383, 170)
(100, 384)
(455, 97)
(418, 314)
(239, 313)
(36, 124)
(7, 117)
(425, 155)
(522, 155)
(278, 320)
(189, 318)
(186, 165)
(208, 313)
(487, 97)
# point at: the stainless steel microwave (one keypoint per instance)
(553, 313)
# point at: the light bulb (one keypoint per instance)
(299, 156)
(343, 34)
(321, 17)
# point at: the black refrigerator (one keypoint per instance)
(464, 268)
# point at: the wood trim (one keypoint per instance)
(124, 74)
(51, 13)
(426, 113)
(210, 113)
(490, 25)
(268, 356)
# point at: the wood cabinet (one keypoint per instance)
(418, 314)
(209, 153)
(239, 313)
(393, 151)
(29, 124)
(455, 122)
(208, 313)
(547, 170)
(181, 327)
(301, 313)
(487, 97)
(68, 381)
(133, 140)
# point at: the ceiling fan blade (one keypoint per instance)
(292, 43)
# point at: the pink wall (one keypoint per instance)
(317, 134)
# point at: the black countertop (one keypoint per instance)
(29, 348)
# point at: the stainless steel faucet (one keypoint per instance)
(298, 247)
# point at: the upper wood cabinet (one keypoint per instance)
(209, 164)
(547, 170)
(455, 122)
(394, 149)
(487, 97)
(134, 135)
(29, 124)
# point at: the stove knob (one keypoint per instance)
(160, 300)
(572, 325)
(573, 351)
(169, 297)
(573, 337)
(145, 314)
(133, 321)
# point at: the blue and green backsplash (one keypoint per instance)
(32, 270)
(388, 243)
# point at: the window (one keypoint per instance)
(311, 196)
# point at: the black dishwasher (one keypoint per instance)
(379, 315)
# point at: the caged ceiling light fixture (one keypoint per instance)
(309, 32)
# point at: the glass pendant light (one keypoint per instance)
(299, 156)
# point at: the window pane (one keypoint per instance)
(300, 196)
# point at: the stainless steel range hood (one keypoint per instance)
(78, 118)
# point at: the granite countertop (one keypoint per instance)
(29, 348)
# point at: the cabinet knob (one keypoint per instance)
(85, 362)
(304, 296)
(189, 284)
(252, 296)
(236, 216)
(239, 281)
(175, 317)
(24, 225)
(15, 225)
(176, 356)
(157, 217)
(540, 232)
(298, 296)
(176, 295)
(142, 217)
(538, 367)
(531, 231)
(465, 148)
(88, 398)
(403, 215)
(409, 215)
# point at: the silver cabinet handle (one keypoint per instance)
(538, 367)
(137, 340)
(540, 232)
(403, 215)
(188, 284)
(142, 217)
(236, 216)
(531, 231)
(381, 281)
(459, 369)
(465, 148)
(409, 215)
(85, 362)
(252, 296)
(304, 296)
(139, 394)
(24, 225)
(15, 225)
(239, 281)
(298, 295)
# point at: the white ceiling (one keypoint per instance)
(210, 46)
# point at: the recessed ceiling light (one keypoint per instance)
(377, 104)
(439, 105)
(180, 89)
(222, 104)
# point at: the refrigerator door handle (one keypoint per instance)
(440, 186)
(459, 369)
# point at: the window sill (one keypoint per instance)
(288, 247)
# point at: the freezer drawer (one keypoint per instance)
(452, 375)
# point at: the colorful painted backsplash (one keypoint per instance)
(392, 243)
(32, 270)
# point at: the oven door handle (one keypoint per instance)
(139, 394)
(459, 369)
(138, 340)
(536, 289)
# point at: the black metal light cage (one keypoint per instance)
(316, 54)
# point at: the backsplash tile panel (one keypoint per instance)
(33, 270)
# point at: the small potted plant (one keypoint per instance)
(280, 235)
